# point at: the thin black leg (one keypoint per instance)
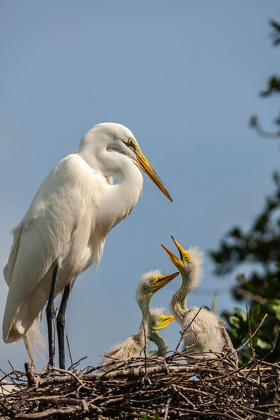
(51, 316)
(60, 325)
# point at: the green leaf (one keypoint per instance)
(234, 332)
(255, 311)
(241, 314)
(214, 303)
(264, 345)
(234, 321)
(274, 306)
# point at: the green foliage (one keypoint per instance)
(214, 303)
(273, 87)
(259, 246)
(146, 417)
(276, 33)
(261, 288)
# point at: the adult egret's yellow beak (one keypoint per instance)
(161, 281)
(183, 254)
(164, 322)
(149, 170)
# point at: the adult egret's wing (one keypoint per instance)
(45, 234)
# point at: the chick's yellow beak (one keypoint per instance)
(165, 321)
(182, 251)
(173, 257)
(149, 170)
(183, 254)
(163, 280)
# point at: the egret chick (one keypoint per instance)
(204, 331)
(151, 322)
(134, 345)
(65, 228)
(158, 321)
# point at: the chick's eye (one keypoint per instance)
(154, 280)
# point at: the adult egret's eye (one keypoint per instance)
(131, 143)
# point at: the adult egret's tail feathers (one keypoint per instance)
(36, 339)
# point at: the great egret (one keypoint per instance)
(203, 330)
(152, 320)
(65, 228)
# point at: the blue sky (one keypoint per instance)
(184, 77)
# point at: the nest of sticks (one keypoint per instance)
(155, 388)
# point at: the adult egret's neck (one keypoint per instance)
(119, 199)
(178, 303)
(159, 341)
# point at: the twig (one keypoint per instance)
(254, 333)
(69, 350)
(185, 329)
(32, 381)
(167, 408)
(48, 413)
(250, 332)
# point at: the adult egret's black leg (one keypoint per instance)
(51, 315)
(60, 324)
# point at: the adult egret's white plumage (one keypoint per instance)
(65, 227)
(152, 320)
(204, 331)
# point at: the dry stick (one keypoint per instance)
(185, 329)
(237, 416)
(271, 351)
(32, 381)
(184, 397)
(113, 361)
(254, 333)
(74, 365)
(149, 400)
(206, 413)
(48, 413)
(66, 371)
(6, 375)
(69, 351)
(167, 408)
(250, 332)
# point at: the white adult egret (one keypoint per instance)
(152, 320)
(203, 330)
(65, 228)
